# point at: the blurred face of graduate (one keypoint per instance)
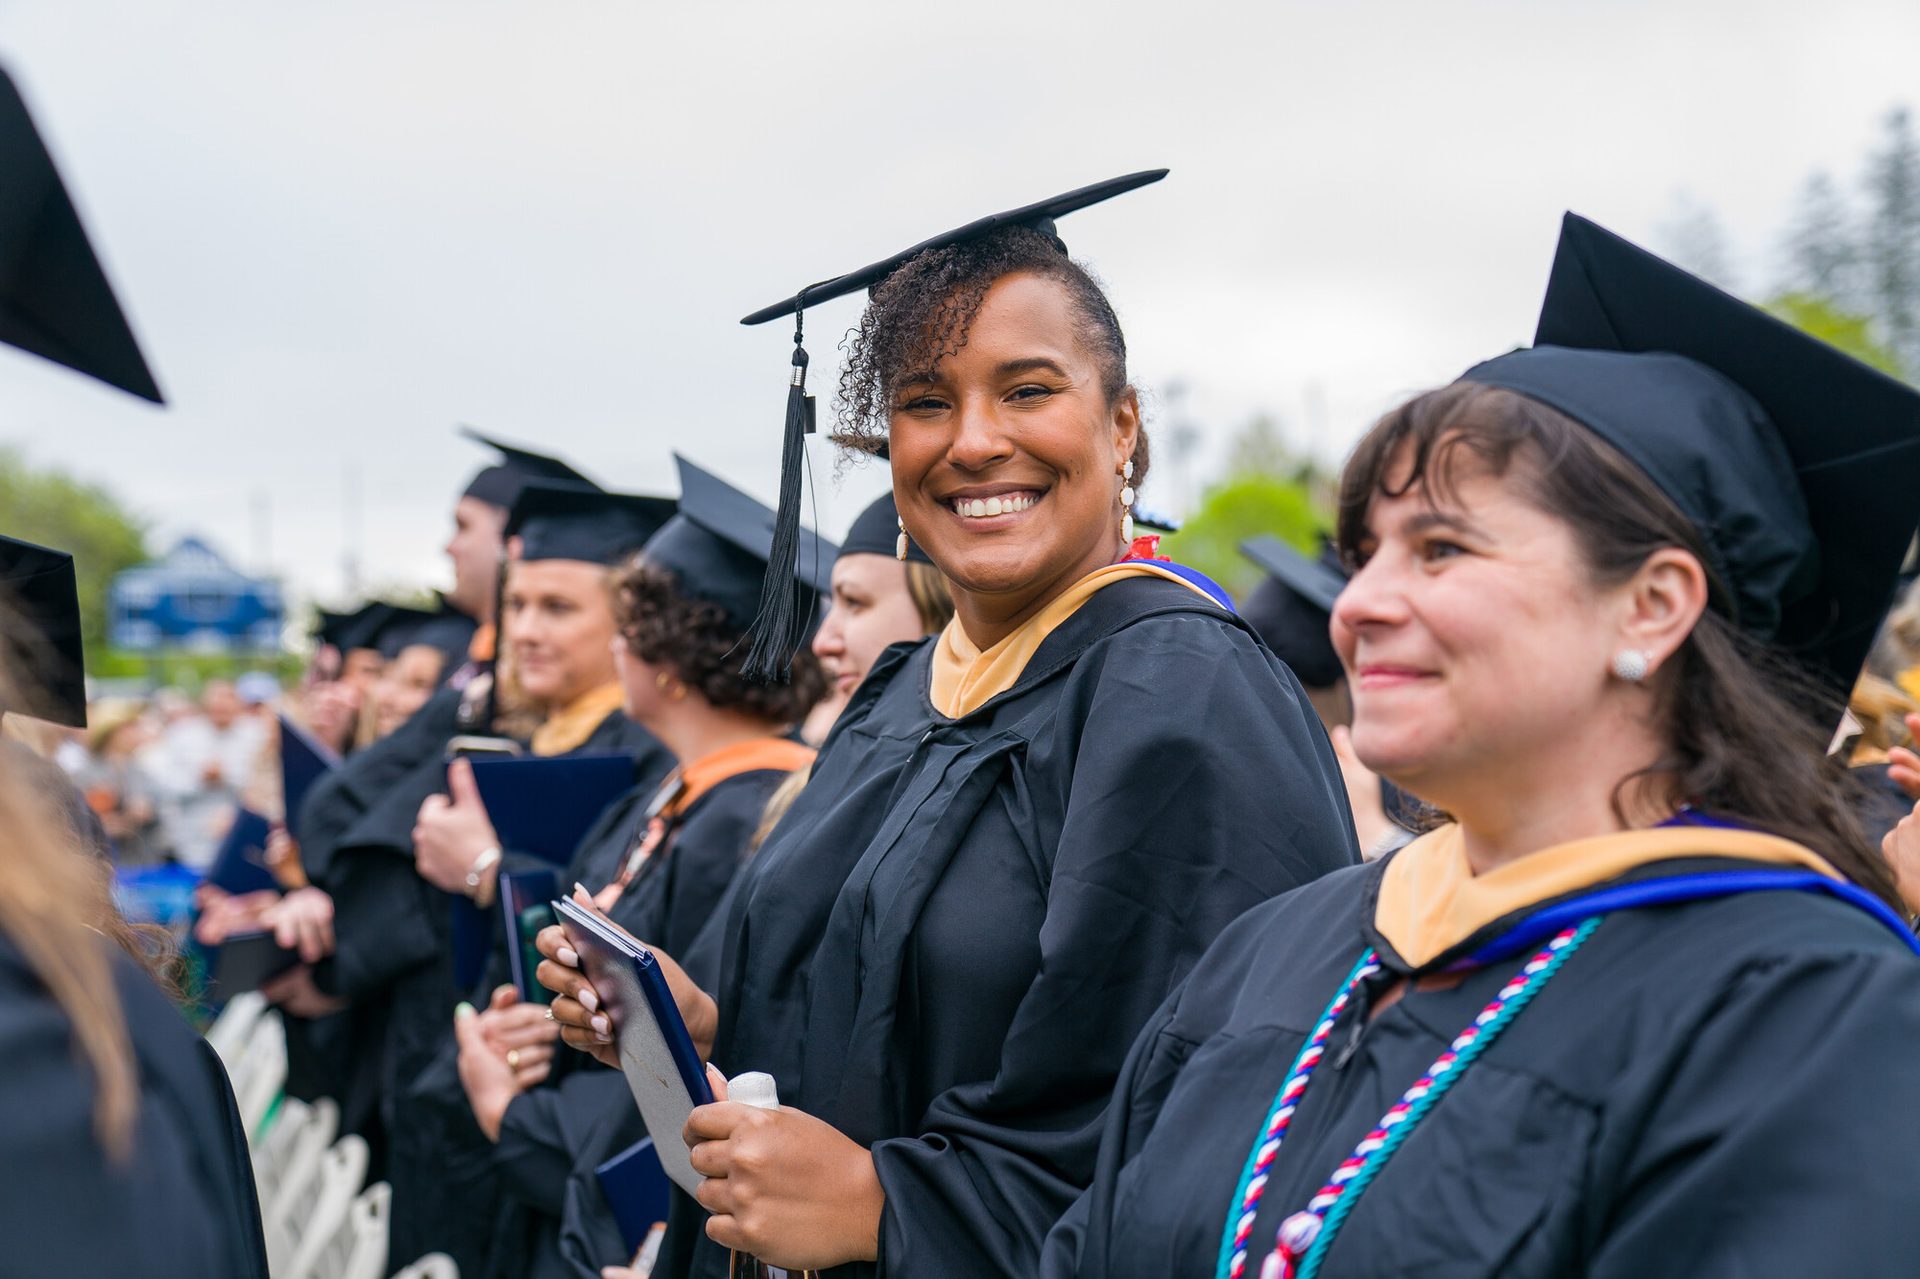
(871, 609)
(559, 622)
(1017, 420)
(1476, 645)
(405, 686)
(474, 549)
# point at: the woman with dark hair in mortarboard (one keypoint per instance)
(657, 861)
(1642, 1008)
(1020, 833)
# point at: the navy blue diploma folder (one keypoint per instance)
(304, 760)
(247, 961)
(636, 1189)
(241, 864)
(538, 807)
(657, 1055)
(526, 906)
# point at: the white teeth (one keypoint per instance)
(979, 508)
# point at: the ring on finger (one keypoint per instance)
(513, 1059)
(550, 1016)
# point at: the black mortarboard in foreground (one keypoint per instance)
(54, 298)
(1799, 466)
(1291, 609)
(777, 629)
(716, 548)
(876, 531)
(559, 521)
(41, 664)
(500, 484)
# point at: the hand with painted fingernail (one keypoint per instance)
(577, 1005)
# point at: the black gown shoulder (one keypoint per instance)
(1713, 1087)
(181, 1204)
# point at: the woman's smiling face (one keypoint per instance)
(1006, 455)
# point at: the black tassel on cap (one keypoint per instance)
(778, 627)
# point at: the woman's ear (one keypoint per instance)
(1126, 423)
(1664, 601)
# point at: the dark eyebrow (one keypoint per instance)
(1031, 364)
(1432, 519)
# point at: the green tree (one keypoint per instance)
(1822, 245)
(1826, 320)
(1246, 505)
(48, 506)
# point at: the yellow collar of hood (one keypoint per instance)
(566, 729)
(1430, 900)
(965, 677)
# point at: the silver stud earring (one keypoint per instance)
(1632, 664)
(900, 545)
(1126, 502)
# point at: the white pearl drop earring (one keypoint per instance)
(1126, 502)
(900, 544)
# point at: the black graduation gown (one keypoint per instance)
(948, 943)
(393, 931)
(183, 1202)
(585, 1107)
(1719, 1087)
(339, 1056)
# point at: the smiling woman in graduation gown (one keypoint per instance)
(1644, 1009)
(1019, 834)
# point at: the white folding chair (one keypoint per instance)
(342, 1173)
(265, 1074)
(365, 1235)
(230, 1029)
(275, 1146)
(285, 1211)
(435, 1265)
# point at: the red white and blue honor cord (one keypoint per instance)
(1302, 1240)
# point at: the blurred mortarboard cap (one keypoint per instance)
(567, 521)
(717, 548)
(357, 629)
(876, 531)
(777, 630)
(500, 484)
(444, 628)
(42, 670)
(1799, 466)
(54, 297)
(1292, 606)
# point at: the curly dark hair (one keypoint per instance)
(1742, 738)
(693, 639)
(921, 313)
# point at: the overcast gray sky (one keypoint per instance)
(342, 228)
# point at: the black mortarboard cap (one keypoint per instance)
(717, 548)
(353, 630)
(1291, 608)
(876, 531)
(443, 628)
(562, 521)
(54, 298)
(42, 671)
(1799, 466)
(500, 484)
(777, 629)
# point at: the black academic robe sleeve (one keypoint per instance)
(1753, 1159)
(182, 1198)
(1161, 848)
(545, 1129)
